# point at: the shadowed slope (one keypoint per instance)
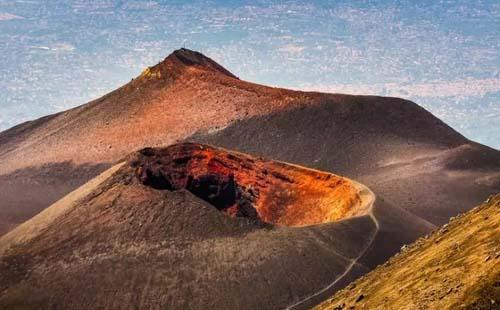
(403, 153)
(456, 267)
(153, 248)
(25, 192)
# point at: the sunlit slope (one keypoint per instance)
(168, 102)
(456, 267)
(188, 93)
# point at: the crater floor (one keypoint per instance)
(242, 186)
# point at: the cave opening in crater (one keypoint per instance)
(220, 190)
(224, 193)
(155, 180)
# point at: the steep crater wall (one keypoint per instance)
(242, 186)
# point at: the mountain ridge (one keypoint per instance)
(182, 95)
(187, 58)
(421, 170)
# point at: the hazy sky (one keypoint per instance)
(444, 55)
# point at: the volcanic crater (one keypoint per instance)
(243, 186)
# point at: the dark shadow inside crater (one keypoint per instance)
(221, 191)
(156, 180)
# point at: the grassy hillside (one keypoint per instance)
(455, 267)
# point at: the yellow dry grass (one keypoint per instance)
(456, 267)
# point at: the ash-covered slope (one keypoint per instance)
(184, 93)
(168, 102)
(456, 267)
(183, 228)
(394, 145)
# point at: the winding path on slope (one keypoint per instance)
(368, 199)
(278, 184)
(199, 160)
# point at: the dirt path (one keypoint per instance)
(368, 200)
